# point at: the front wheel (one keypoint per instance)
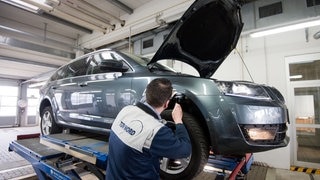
(189, 167)
(48, 124)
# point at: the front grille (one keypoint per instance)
(279, 135)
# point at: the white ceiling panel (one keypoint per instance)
(21, 70)
(134, 4)
(33, 43)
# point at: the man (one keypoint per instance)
(138, 140)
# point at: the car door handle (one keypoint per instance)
(83, 84)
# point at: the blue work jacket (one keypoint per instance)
(137, 142)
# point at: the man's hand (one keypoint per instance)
(177, 113)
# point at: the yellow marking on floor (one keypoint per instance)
(309, 170)
(300, 169)
(306, 170)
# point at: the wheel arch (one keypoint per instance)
(192, 105)
(44, 103)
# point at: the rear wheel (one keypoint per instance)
(189, 167)
(48, 124)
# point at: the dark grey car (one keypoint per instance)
(226, 117)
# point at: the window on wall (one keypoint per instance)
(270, 10)
(303, 71)
(311, 3)
(147, 43)
(8, 100)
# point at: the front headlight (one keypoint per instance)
(243, 89)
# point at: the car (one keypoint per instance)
(223, 117)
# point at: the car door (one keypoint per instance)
(105, 90)
(66, 91)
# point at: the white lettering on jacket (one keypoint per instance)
(135, 128)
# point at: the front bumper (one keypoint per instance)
(241, 126)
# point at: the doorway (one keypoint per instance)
(304, 102)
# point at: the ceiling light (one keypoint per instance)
(22, 5)
(296, 77)
(286, 28)
(37, 85)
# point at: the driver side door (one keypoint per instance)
(105, 91)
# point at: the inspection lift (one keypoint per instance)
(64, 156)
(81, 156)
(237, 166)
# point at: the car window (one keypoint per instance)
(94, 62)
(59, 74)
(88, 65)
(76, 68)
(93, 65)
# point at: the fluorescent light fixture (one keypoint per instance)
(286, 28)
(37, 85)
(22, 5)
(296, 77)
(13, 30)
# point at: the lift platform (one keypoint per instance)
(237, 166)
(84, 156)
(64, 156)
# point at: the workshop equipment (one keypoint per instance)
(69, 156)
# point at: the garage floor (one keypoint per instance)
(12, 166)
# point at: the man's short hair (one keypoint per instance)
(158, 92)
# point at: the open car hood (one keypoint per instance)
(204, 36)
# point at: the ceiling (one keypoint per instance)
(36, 40)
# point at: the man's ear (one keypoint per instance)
(166, 104)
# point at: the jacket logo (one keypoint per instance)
(132, 128)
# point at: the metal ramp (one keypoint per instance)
(64, 156)
(84, 156)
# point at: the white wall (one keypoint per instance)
(265, 58)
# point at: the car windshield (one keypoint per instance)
(143, 61)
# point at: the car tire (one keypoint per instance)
(194, 164)
(48, 124)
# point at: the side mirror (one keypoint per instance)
(113, 66)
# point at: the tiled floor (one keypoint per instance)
(12, 166)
